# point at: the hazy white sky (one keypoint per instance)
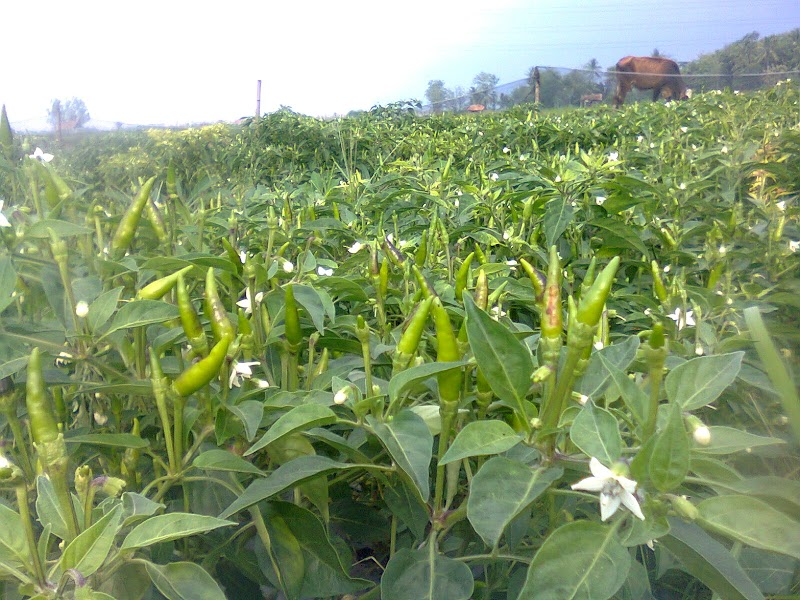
(173, 61)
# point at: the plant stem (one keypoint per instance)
(27, 524)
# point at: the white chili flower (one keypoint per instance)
(81, 309)
(494, 176)
(682, 186)
(341, 396)
(240, 372)
(599, 200)
(242, 256)
(41, 156)
(456, 203)
(614, 490)
(723, 250)
(322, 271)
(4, 462)
(684, 129)
(355, 247)
(682, 319)
(613, 156)
(599, 345)
(724, 150)
(246, 303)
(557, 179)
(4, 222)
(781, 205)
(506, 149)
(260, 383)
(288, 267)
(702, 436)
(794, 246)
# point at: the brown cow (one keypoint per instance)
(649, 73)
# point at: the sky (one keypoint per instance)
(175, 62)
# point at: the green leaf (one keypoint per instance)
(136, 507)
(288, 475)
(250, 413)
(409, 378)
(324, 575)
(172, 526)
(709, 561)
(425, 575)
(632, 395)
(596, 432)
(752, 522)
(115, 440)
(558, 214)
(137, 313)
(8, 282)
(49, 510)
(621, 235)
(669, 461)
(13, 366)
(727, 440)
(700, 381)
(581, 560)
(481, 438)
(501, 490)
(301, 417)
(102, 308)
(285, 555)
(222, 460)
(184, 581)
(597, 377)
(14, 550)
(87, 552)
(505, 361)
(407, 506)
(317, 303)
(62, 229)
(410, 445)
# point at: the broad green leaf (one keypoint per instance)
(621, 235)
(597, 377)
(669, 461)
(407, 506)
(596, 432)
(49, 509)
(410, 445)
(780, 492)
(772, 573)
(633, 396)
(285, 555)
(136, 507)
(700, 381)
(14, 550)
(87, 552)
(425, 575)
(301, 417)
(62, 229)
(505, 361)
(13, 366)
(727, 440)
(501, 490)
(708, 560)
(184, 581)
(137, 313)
(581, 560)
(409, 378)
(287, 476)
(116, 440)
(222, 460)
(8, 282)
(250, 413)
(317, 303)
(324, 573)
(102, 308)
(558, 214)
(129, 582)
(171, 526)
(752, 522)
(481, 438)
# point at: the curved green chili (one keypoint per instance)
(158, 288)
(294, 335)
(462, 276)
(215, 311)
(44, 428)
(126, 229)
(189, 319)
(203, 371)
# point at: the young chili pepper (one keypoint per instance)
(294, 335)
(202, 372)
(551, 317)
(215, 311)
(447, 351)
(158, 288)
(156, 221)
(126, 229)
(538, 280)
(189, 319)
(44, 428)
(462, 276)
(409, 341)
(592, 303)
(658, 285)
(422, 250)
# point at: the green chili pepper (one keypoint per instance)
(409, 341)
(538, 280)
(551, 319)
(422, 250)
(425, 287)
(156, 221)
(479, 254)
(158, 288)
(393, 253)
(44, 428)
(462, 276)
(189, 319)
(591, 305)
(215, 311)
(233, 256)
(447, 351)
(588, 279)
(172, 185)
(482, 290)
(658, 285)
(203, 371)
(294, 335)
(126, 229)
(383, 279)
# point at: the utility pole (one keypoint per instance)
(536, 85)
(258, 99)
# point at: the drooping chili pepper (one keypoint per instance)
(422, 250)
(233, 256)
(156, 221)
(294, 335)
(658, 285)
(482, 290)
(383, 279)
(161, 391)
(447, 351)
(158, 288)
(215, 311)
(126, 229)
(409, 341)
(479, 254)
(44, 428)
(203, 371)
(393, 253)
(462, 275)
(189, 319)
(424, 285)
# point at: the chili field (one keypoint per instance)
(521, 354)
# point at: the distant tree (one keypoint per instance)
(596, 73)
(482, 90)
(437, 95)
(72, 114)
(459, 101)
(656, 53)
